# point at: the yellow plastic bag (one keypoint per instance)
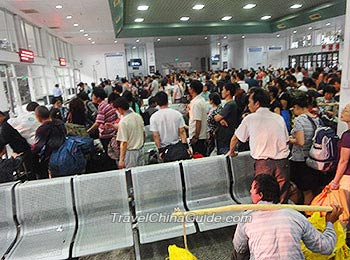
(178, 253)
(341, 250)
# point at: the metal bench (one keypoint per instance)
(158, 190)
(100, 198)
(47, 223)
(8, 228)
(242, 168)
(208, 185)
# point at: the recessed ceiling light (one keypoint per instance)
(249, 6)
(266, 17)
(81, 30)
(158, 40)
(115, 41)
(179, 39)
(219, 43)
(328, 24)
(243, 36)
(142, 7)
(278, 35)
(86, 34)
(93, 42)
(89, 39)
(296, 6)
(225, 37)
(69, 17)
(198, 7)
(75, 25)
(205, 38)
(139, 20)
(310, 28)
(134, 47)
(226, 18)
(184, 18)
(59, 6)
(295, 31)
(137, 40)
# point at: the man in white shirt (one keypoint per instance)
(57, 93)
(198, 118)
(26, 124)
(268, 138)
(241, 82)
(168, 126)
(131, 135)
(154, 86)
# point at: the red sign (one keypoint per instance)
(62, 61)
(330, 47)
(26, 55)
(337, 46)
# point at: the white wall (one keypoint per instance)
(193, 54)
(91, 60)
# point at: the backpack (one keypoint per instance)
(323, 155)
(70, 159)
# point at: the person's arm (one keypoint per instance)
(93, 127)
(342, 166)
(40, 141)
(183, 136)
(277, 110)
(195, 138)
(233, 143)
(156, 138)
(123, 146)
(240, 240)
(299, 138)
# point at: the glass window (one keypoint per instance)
(38, 41)
(30, 38)
(11, 31)
(4, 39)
(22, 81)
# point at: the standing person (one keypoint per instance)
(268, 138)
(275, 104)
(241, 82)
(215, 102)
(57, 92)
(280, 238)
(168, 127)
(105, 114)
(48, 137)
(227, 119)
(131, 135)
(178, 92)
(154, 86)
(90, 113)
(197, 119)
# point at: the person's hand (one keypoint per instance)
(223, 123)
(330, 113)
(15, 155)
(232, 153)
(121, 164)
(334, 215)
(333, 185)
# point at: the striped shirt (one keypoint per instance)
(276, 235)
(105, 114)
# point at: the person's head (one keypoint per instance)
(98, 95)
(285, 100)
(205, 88)
(121, 104)
(161, 98)
(32, 106)
(57, 85)
(345, 114)
(292, 80)
(300, 103)
(196, 87)
(55, 114)
(214, 99)
(118, 89)
(240, 75)
(329, 92)
(57, 102)
(113, 96)
(83, 96)
(152, 102)
(273, 92)
(229, 90)
(258, 98)
(309, 83)
(265, 188)
(128, 96)
(336, 83)
(76, 105)
(42, 114)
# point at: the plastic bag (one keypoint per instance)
(341, 250)
(337, 197)
(178, 253)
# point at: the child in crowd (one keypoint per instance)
(8, 166)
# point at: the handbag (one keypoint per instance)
(113, 149)
(175, 152)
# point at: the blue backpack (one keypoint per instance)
(70, 158)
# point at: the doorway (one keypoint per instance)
(7, 103)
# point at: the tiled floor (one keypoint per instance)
(210, 245)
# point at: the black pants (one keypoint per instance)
(200, 147)
(110, 163)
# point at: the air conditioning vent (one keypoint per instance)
(54, 27)
(68, 37)
(281, 26)
(314, 17)
(30, 11)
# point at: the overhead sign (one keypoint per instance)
(62, 61)
(26, 55)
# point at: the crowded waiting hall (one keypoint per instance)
(179, 130)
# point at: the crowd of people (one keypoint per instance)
(274, 113)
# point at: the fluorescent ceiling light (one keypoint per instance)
(89, 39)
(134, 47)
(69, 17)
(137, 40)
(226, 18)
(142, 7)
(219, 43)
(139, 20)
(266, 17)
(249, 6)
(243, 36)
(59, 6)
(310, 28)
(198, 7)
(115, 41)
(278, 35)
(184, 18)
(158, 40)
(225, 37)
(75, 25)
(93, 42)
(205, 38)
(86, 34)
(295, 31)
(296, 6)
(81, 30)
(328, 24)
(179, 39)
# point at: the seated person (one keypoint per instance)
(276, 234)
(8, 166)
